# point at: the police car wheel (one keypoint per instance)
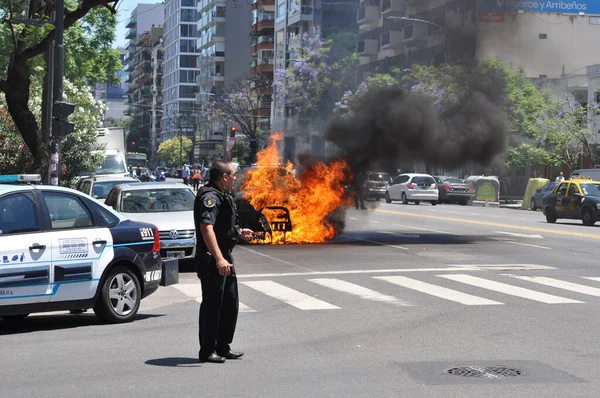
(120, 296)
(14, 318)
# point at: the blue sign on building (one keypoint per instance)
(552, 6)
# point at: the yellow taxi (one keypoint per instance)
(577, 198)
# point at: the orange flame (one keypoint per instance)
(317, 192)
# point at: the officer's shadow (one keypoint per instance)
(176, 362)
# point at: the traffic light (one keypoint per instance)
(60, 113)
(232, 132)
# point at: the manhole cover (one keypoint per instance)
(486, 372)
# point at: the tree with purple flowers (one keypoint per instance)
(319, 72)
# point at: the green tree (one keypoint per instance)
(89, 58)
(175, 151)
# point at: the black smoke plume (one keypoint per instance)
(390, 125)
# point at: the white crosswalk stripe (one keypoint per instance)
(194, 290)
(360, 291)
(509, 289)
(289, 296)
(573, 287)
(437, 291)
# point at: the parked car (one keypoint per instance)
(376, 184)
(99, 187)
(537, 199)
(169, 206)
(452, 190)
(413, 188)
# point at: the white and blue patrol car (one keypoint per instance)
(62, 250)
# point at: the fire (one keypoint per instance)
(309, 197)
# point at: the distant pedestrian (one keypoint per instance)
(560, 178)
(185, 174)
(196, 179)
(359, 187)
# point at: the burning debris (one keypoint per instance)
(312, 197)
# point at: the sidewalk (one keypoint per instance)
(512, 204)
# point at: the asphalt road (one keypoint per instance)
(404, 294)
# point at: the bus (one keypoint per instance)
(136, 159)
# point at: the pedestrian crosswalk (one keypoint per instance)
(320, 294)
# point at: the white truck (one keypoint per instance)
(111, 140)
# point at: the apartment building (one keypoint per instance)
(114, 95)
(179, 69)
(262, 51)
(139, 92)
(294, 18)
(223, 55)
(156, 60)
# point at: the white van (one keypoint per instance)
(593, 173)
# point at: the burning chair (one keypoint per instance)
(255, 219)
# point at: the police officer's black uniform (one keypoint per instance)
(220, 302)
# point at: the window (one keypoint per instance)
(109, 219)
(562, 189)
(17, 214)
(67, 211)
(400, 180)
(85, 187)
(543, 36)
(423, 180)
(573, 190)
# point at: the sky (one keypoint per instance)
(125, 7)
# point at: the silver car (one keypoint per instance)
(169, 206)
(413, 188)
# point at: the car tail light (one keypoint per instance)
(434, 186)
(411, 186)
(156, 246)
(447, 187)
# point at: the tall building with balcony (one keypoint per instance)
(262, 51)
(140, 92)
(223, 45)
(293, 18)
(114, 95)
(157, 75)
(180, 69)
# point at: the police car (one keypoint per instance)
(62, 250)
(577, 198)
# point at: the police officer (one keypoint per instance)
(217, 231)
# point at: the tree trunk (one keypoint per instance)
(16, 90)
(253, 149)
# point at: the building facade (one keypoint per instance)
(223, 47)
(180, 71)
(114, 95)
(156, 60)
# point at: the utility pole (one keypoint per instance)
(59, 26)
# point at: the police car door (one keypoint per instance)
(80, 251)
(25, 251)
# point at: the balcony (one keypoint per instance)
(367, 47)
(392, 7)
(256, 4)
(367, 14)
(392, 39)
(263, 43)
(132, 22)
(265, 21)
(131, 34)
(415, 34)
(261, 65)
(304, 13)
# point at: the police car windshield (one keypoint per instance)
(590, 189)
(153, 200)
(112, 164)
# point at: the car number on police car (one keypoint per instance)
(147, 233)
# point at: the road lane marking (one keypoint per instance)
(509, 289)
(361, 271)
(290, 296)
(519, 235)
(527, 244)
(592, 278)
(437, 291)
(423, 229)
(520, 267)
(194, 291)
(573, 287)
(274, 258)
(375, 222)
(491, 224)
(360, 291)
(353, 218)
(378, 243)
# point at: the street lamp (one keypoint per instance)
(417, 20)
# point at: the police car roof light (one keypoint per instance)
(14, 178)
